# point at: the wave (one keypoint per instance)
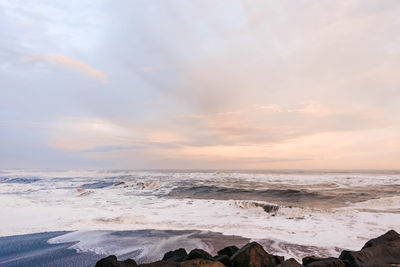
(385, 204)
(27, 180)
(149, 185)
(225, 193)
(246, 204)
(96, 185)
(83, 192)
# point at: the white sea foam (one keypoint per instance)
(147, 245)
(385, 204)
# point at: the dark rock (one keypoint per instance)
(327, 262)
(253, 255)
(224, 259)
(160, 264)
(390, 236)
(290, 263)
(111, 261)
(310, 259)
(176, 255)
(200, 263)
(189, 263)
(270, 208)
(228, 251)
(198, 254)
(383, 251)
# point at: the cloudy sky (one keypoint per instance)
(200, 84)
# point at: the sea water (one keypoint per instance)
(145, 213)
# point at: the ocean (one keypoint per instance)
(143, 214)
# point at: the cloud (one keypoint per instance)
(234, 84)
(274, 123)
(150, 68)
(62, 61)
(311, 107)
(109, 148)
(87, 134)
(250, 137)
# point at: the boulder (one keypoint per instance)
(270, 208)
(200, 263)
(390, 236)
(383, 251)
(111, 261)
(310, 259)
(176, 255)
(160, 264)
(228, 251)
(327, 262)
(290, 263)
(253, 255)
(198, 254)
(224, 259)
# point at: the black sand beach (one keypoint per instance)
(33, 250)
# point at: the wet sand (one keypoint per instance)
(33, 250)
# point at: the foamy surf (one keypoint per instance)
(292, 212)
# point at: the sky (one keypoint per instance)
(202, 84)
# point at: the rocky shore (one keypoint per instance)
(383, 251)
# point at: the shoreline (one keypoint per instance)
(381, 251)
(66, 248)
(87, 247)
